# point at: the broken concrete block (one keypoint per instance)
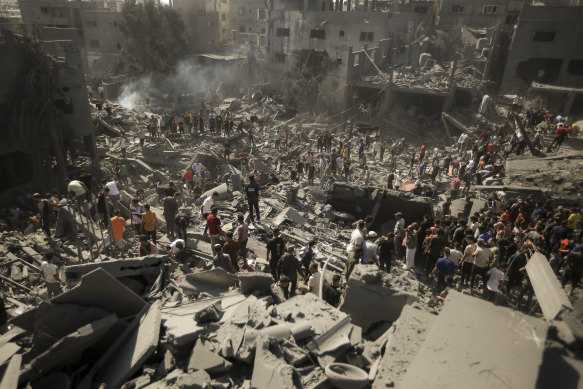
(138, 341)
(7, 351)
(404, 341)
(68, 218)
(213, 282)
(148, 265)
(11, 373)
(453, 337)
(204, 358)
(370, 297)
(223, 190)
(209, 314)
(279, 331)
(249, 282)
(310, 308)
(236, 182)
(335, 341)
(193, 380)
(549, 293)
(67, 348)
(291, 215)
(302, 330)
(345, 376)
(179, 324)
(100, 289)
(270, 369)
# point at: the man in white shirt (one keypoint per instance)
(482, 257)
(113, 191)
(356, 237)
(398, 179)
(136, 209)
(314, 280)
(173, 246)
(50, 275)
(369, 252)
(455, 254)
(198, 167)
(206, 206)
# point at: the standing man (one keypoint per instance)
(482, 256)
(444, 267)
(369, 252)
(205, 208)
(288, 266)
(399, 232)
(386, 250)
(149, 224)
(242, 233)
(136, 209)
(118, 224)
(275, 249)
(50, 275)
(170, 210)
(214, 227)
(232, 248)
(252, 192)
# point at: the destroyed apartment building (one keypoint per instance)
(308, 194)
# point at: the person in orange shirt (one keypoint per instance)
(118, 224)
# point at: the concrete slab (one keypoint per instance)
(119, 268)
(67, 218)
(213, 282)
(131, 349)
(406, 336)
(370, 297)
(100, 289)
(223, 190)
(291, 215)
(270, 369)
(7, 351)
(477, 206)
(332, 344)
(250, 282)
(179, 323)
(203, 357)
(473, 336)
(236, 182)
(549, 293)
(11, 373)
(67, 348)
(308, 307)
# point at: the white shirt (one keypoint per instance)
(197, 167)
(455, 256)
(400, 223)
(314, 282)
(356, 238)
(496, 276)
(398, 179)
(136, 212)
(173, 247)
(463, 138)
(368, 253)
(113, 191)
(50, 270)
(207, 204)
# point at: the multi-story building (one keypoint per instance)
(248, 21)
(206, 23)
(478, 13)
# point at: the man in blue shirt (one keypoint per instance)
(444, 267)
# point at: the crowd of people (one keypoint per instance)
(491, 245)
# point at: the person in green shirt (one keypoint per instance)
(353, 259)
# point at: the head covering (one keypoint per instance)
(372, 234)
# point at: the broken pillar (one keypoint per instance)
(370, 297)
(223, 191)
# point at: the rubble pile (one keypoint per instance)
(154, 322)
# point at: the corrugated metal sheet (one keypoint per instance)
(549, 293)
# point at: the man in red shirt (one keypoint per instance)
(560, 135)
(214, 227)
(455, 188)
(188, 178)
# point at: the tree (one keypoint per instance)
(154, 36)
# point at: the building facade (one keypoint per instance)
(248, 21)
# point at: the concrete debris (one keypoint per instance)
(461, 318)
(211, 282)
(402, 343)
(203, 357)
(345, 376)
(371, 297)
(269, 368)
(209, 314)
(289, 214)
(11, 373)
(255, 282)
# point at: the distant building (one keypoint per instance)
(206, 23)
(314, 25)
(478, 13)
(98, 28)
(546, 51)
(248, 21)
